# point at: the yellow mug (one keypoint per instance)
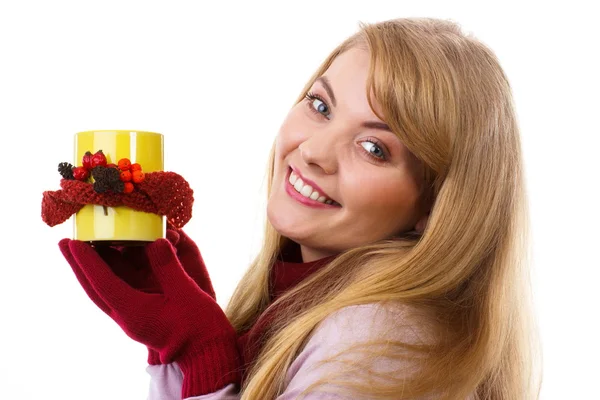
(120, 225)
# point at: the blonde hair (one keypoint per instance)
(446, 97)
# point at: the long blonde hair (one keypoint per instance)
(446, 97)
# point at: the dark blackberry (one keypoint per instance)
(107, 178)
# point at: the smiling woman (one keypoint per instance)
(354, 157)
(393, 260)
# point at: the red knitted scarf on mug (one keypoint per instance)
(162, 193)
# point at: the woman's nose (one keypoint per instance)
(321, 150)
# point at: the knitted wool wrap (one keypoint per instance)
(162, 193)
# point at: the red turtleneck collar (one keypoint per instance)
(287, 271)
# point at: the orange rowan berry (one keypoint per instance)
(125, 176)
(138, 176)
(124, 164)
(128, 187)
(135, 167)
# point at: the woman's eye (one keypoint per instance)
(373, 149)
(317, 105)
(320, 107)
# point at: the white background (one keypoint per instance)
(217, 80)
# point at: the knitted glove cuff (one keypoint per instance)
(211, 367)
(153, 357)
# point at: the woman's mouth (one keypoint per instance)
(305, 193)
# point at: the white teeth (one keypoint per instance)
(307, 190)
(298, 185)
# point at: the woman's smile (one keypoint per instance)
(306, 194)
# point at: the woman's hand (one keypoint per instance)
(132, 266)
(166, 309)
(191, 259)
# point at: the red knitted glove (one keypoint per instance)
(177, 319)
(132, 266)
(191, 259)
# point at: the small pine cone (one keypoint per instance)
(66, 170)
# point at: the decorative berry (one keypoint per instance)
(124, 164)
(98, 159)
(87, 160)
(137, 176)
(99, 173)
(66, 170)
(112, 165)
(117, 186)
(81, 174)
(135, 167)
(107, 179)
(100, 186)
(125, 176)
(128, 187)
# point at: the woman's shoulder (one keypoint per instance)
(339, 341)
(372, 321)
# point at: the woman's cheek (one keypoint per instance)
(378, 189)
(293, 131)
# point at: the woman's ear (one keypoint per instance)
(427, 207)
(422, 223)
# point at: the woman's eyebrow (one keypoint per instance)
(377, 125)
(325, 82)
(369, 124)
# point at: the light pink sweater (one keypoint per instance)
(344, 328)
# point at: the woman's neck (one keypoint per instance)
(310, 254)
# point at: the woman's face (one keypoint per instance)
(335, 143)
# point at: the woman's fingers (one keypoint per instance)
(83, 281)
(166, 267)
(131, 265)
(112, 257)
(191, 259)
(115, 292)
(173, 237)
(140, 276)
